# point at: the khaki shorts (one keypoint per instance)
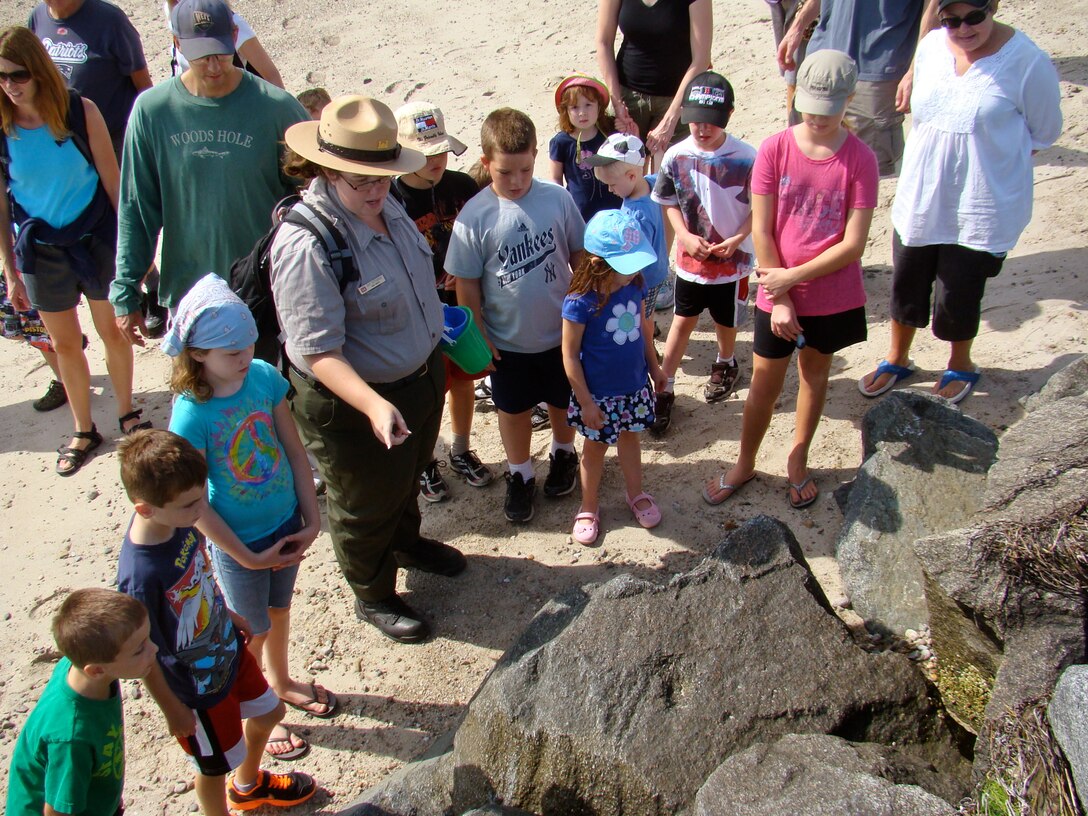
(648, 110)
(873, 118)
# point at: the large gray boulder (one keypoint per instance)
(1006, 596)
(623, 698)
(1071, 381)
(420, 788)
(924, 472)
(819, 775)
(1068, 716)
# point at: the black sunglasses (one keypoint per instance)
(972, 18)
(19, 77)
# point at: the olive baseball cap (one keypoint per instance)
(825, 80)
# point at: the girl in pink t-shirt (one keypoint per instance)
(814, 187)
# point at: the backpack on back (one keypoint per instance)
(251, 279)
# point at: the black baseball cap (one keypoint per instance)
(708, 98)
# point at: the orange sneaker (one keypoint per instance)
(277, 790)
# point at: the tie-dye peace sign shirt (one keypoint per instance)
(250, 483)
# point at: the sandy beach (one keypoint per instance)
(471, 57)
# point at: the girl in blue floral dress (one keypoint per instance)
(609, 360)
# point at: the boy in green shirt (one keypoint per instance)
(70, 756)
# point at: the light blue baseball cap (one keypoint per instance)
(616, 236)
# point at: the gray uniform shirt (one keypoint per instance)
(387, 322)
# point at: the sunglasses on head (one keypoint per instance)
(972, 18)
(19, 77)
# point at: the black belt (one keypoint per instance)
(314, 383)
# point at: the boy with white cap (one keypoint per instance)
(432, 197)
(618, 164)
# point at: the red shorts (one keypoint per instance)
(219, 746)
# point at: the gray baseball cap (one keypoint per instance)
(203, 28)
(825, 80)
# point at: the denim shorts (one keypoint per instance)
(251, 592)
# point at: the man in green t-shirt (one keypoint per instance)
(70, 756)
(201, 165)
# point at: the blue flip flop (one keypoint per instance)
(970, 378)
(898, 372)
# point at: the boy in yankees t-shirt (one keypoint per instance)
(512, 250)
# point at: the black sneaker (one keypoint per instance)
(432, 486)
(540, 418)
(54, 397)
(663, 403)
(394, 619)
(155, 315)
(519, 498)
(278, 790)
(468, 464)
(723, 379)
(562, 475)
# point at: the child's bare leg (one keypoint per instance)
(677, 343)
(211, 795)
(592, 466)
(898, 353)
(814, 369)
(768, 375)
(257, 731)
(629, 452)
(461, 403)
(516, 432)
(119, 356)
(727, 340)
(51, 361)
(561, 431)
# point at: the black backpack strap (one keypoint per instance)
(340, 255)
(77, 125)
(5, 159)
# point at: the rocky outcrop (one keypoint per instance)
(1066, 714)
(624, 699)
(1006, 596)
(822, 775)
(924, 471)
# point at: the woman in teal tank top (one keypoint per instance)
(58, 226)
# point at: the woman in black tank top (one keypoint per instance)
(666, 43)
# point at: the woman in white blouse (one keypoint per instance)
(985, 98)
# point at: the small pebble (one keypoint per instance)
(910, 635)
(180, 787)
(94, 494)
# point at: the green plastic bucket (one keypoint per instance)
(462, 341)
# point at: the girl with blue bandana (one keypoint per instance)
(609, 358)
(263, 512)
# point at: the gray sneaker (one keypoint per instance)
(722, 382)
(432, 486)
(468, 464)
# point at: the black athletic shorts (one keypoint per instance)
(727, 302)
(522, 380)
(825, 333)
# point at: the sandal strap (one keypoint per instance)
(92, 434)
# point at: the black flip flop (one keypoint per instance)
(332, 703)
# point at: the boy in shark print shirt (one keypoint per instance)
(705, 186)
(204, 679)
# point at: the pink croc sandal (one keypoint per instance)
(587, 526)
(648, 516)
